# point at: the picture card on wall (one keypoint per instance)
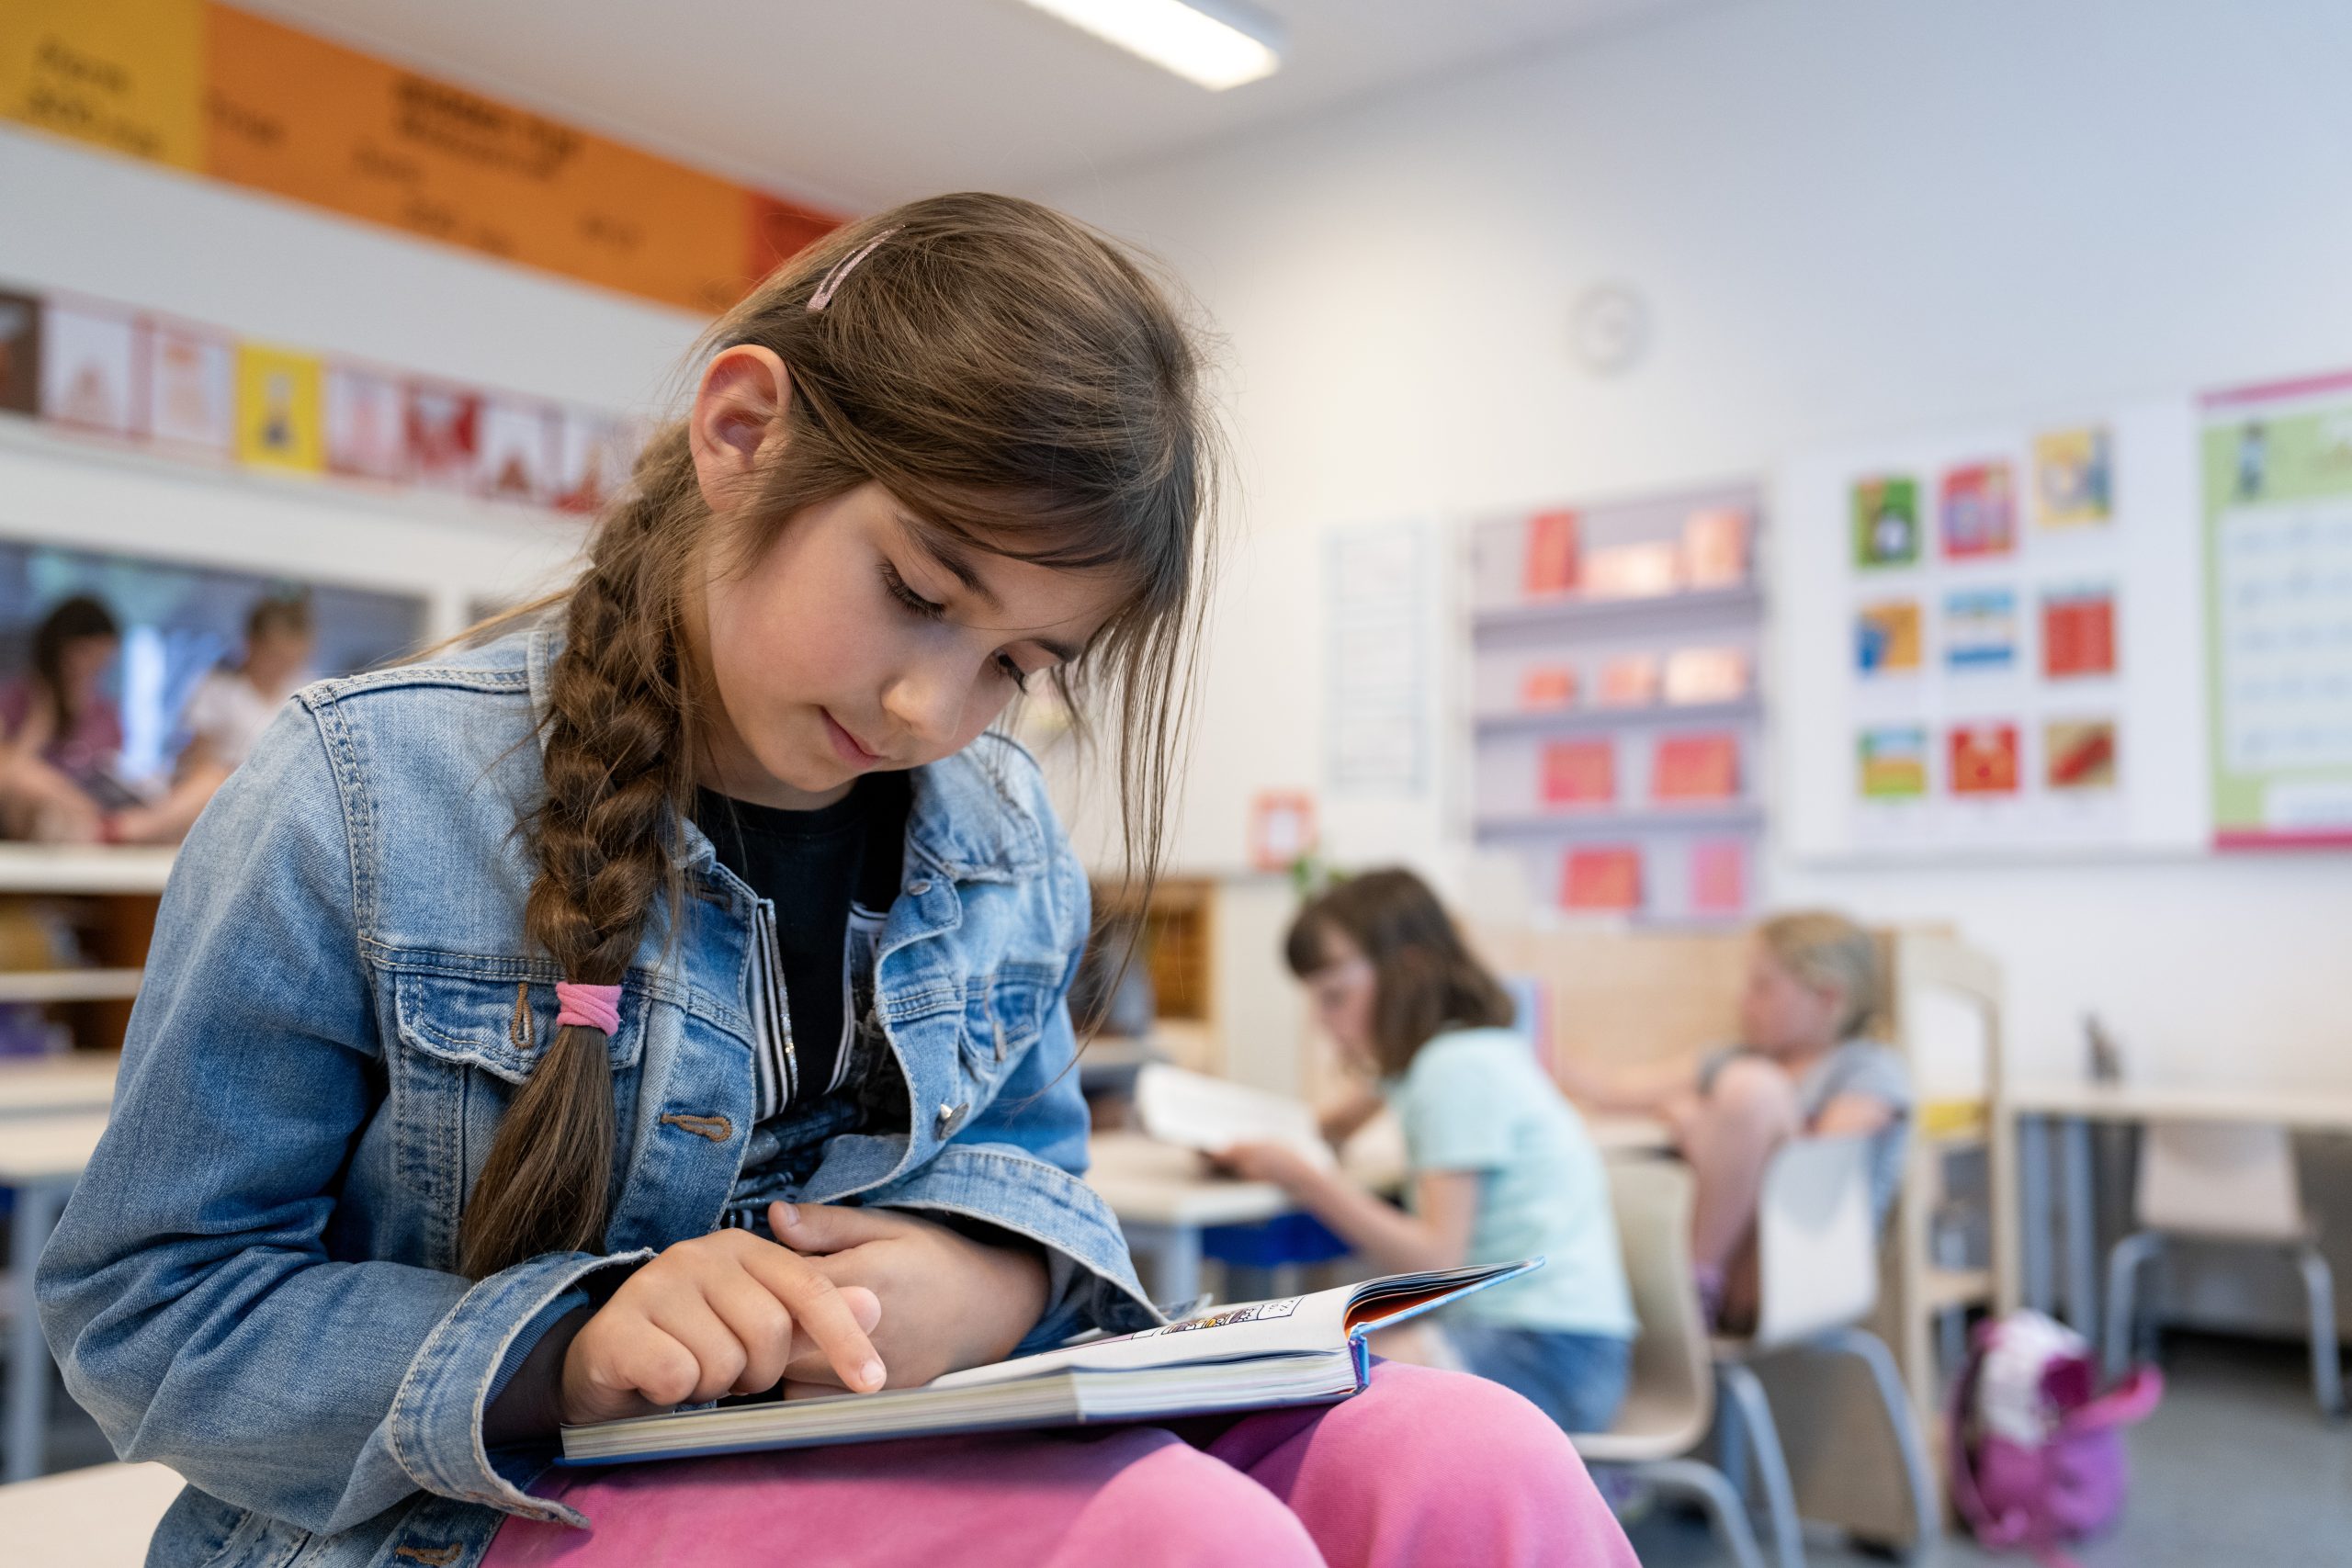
(19, 354)
(1543, 687)
(366, 423)
(1690, 768)
(1984, 758)
(1707, 675)
(1886, 521)
(517, 450)
(2080, 754)
(1979, 511)
(1714, 547)
(1634, 572)
(192, 389)
(1718, 877)
(1629, 681)
(1887, 637)
(1601, 878)
(2074, 477)
(1552, 555)
(444, 435)
(2078, 632)
(594, 455)
(280, 421)
(1981, 629)
(1581, 771)
(1893, 762)
(90, 368)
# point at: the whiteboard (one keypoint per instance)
(2027, 745)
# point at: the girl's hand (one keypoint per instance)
(949, 1302)
(719, 1314)
(1278, 1162)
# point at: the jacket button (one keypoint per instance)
(951, 1114)
(919, 887)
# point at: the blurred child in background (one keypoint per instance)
(1500, 1165)
(1802, 1068)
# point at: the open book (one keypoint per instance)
(1301, 1351)
(1193, 1111)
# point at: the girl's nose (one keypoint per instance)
(926, 699)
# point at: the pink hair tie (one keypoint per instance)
(833, 279)
(591, 1007)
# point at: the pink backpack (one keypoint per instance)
(2036, 1453)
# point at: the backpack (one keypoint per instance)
(2036, 1450)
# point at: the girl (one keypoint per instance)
(1801, 1068)
(664, 1000)
(61, 734)
(235, 703)
(1500, 1168)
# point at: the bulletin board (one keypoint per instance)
(1990, 641)
(2277, 514)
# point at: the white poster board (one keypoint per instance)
(1989, 641)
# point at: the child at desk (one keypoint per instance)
(1500, 1167)
(1801, 1068)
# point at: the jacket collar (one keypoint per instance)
(967, 818)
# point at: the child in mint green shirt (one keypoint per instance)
(1500, 1167)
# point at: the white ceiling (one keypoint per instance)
(860, 103)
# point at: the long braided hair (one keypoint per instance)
(1021, 385)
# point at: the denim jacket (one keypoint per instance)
(255, 1281)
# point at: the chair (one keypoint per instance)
(1818, 1277)
(1670, 1401)
(2224, 1181)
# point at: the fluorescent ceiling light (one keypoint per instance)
(1218, 43)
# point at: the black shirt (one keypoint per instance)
(831, 874)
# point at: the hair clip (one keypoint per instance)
(825, 295)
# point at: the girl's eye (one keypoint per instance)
(1013, 672)
(908, 596)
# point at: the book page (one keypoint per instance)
(1193, 1111)
(1291, 1325)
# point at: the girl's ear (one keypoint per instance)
(738, 408)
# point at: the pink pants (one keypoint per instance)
(1423, 1467)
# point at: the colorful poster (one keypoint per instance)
(19, 354)
(1887, 637)
(1692, 769)
(2277, 517)
(1707, 675)
(517, 451)
(1714, 547)
(366, 423)
(1984, 759)
(192, 389)
(2074, 477)
(279, 421)
(594, 455)
(1630, 681)
(1978, 511)
(1981, 629)
(1886, 522)
(2080, 754)
(123, 75)
(1893, 760)
(444, 435)
(1547, 686)
(1719, 877)
(1581, 771)
(1550, 555)
(1601, 878)
(90, 368)
(2078, 632)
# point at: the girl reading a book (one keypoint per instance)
(1802, 1068)
(661, 997)
(1499, 1166)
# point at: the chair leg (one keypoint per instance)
(2327, 1364)
(1744, 1393)
(1910, 1443)
(1706, 1485)
(2122, 1290)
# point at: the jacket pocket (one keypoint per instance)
(503, 1027)
(1005, 1015)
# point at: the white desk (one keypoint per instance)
(99, 1517)
(46, 1086)
(2069, 1110)
(1164, 1200)
(40, 1158)
(1621, 1137)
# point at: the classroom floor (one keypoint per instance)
(2235, 1471)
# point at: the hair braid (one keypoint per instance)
(614, 760)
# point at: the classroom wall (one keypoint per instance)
(139, 235)
(1849, 219)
